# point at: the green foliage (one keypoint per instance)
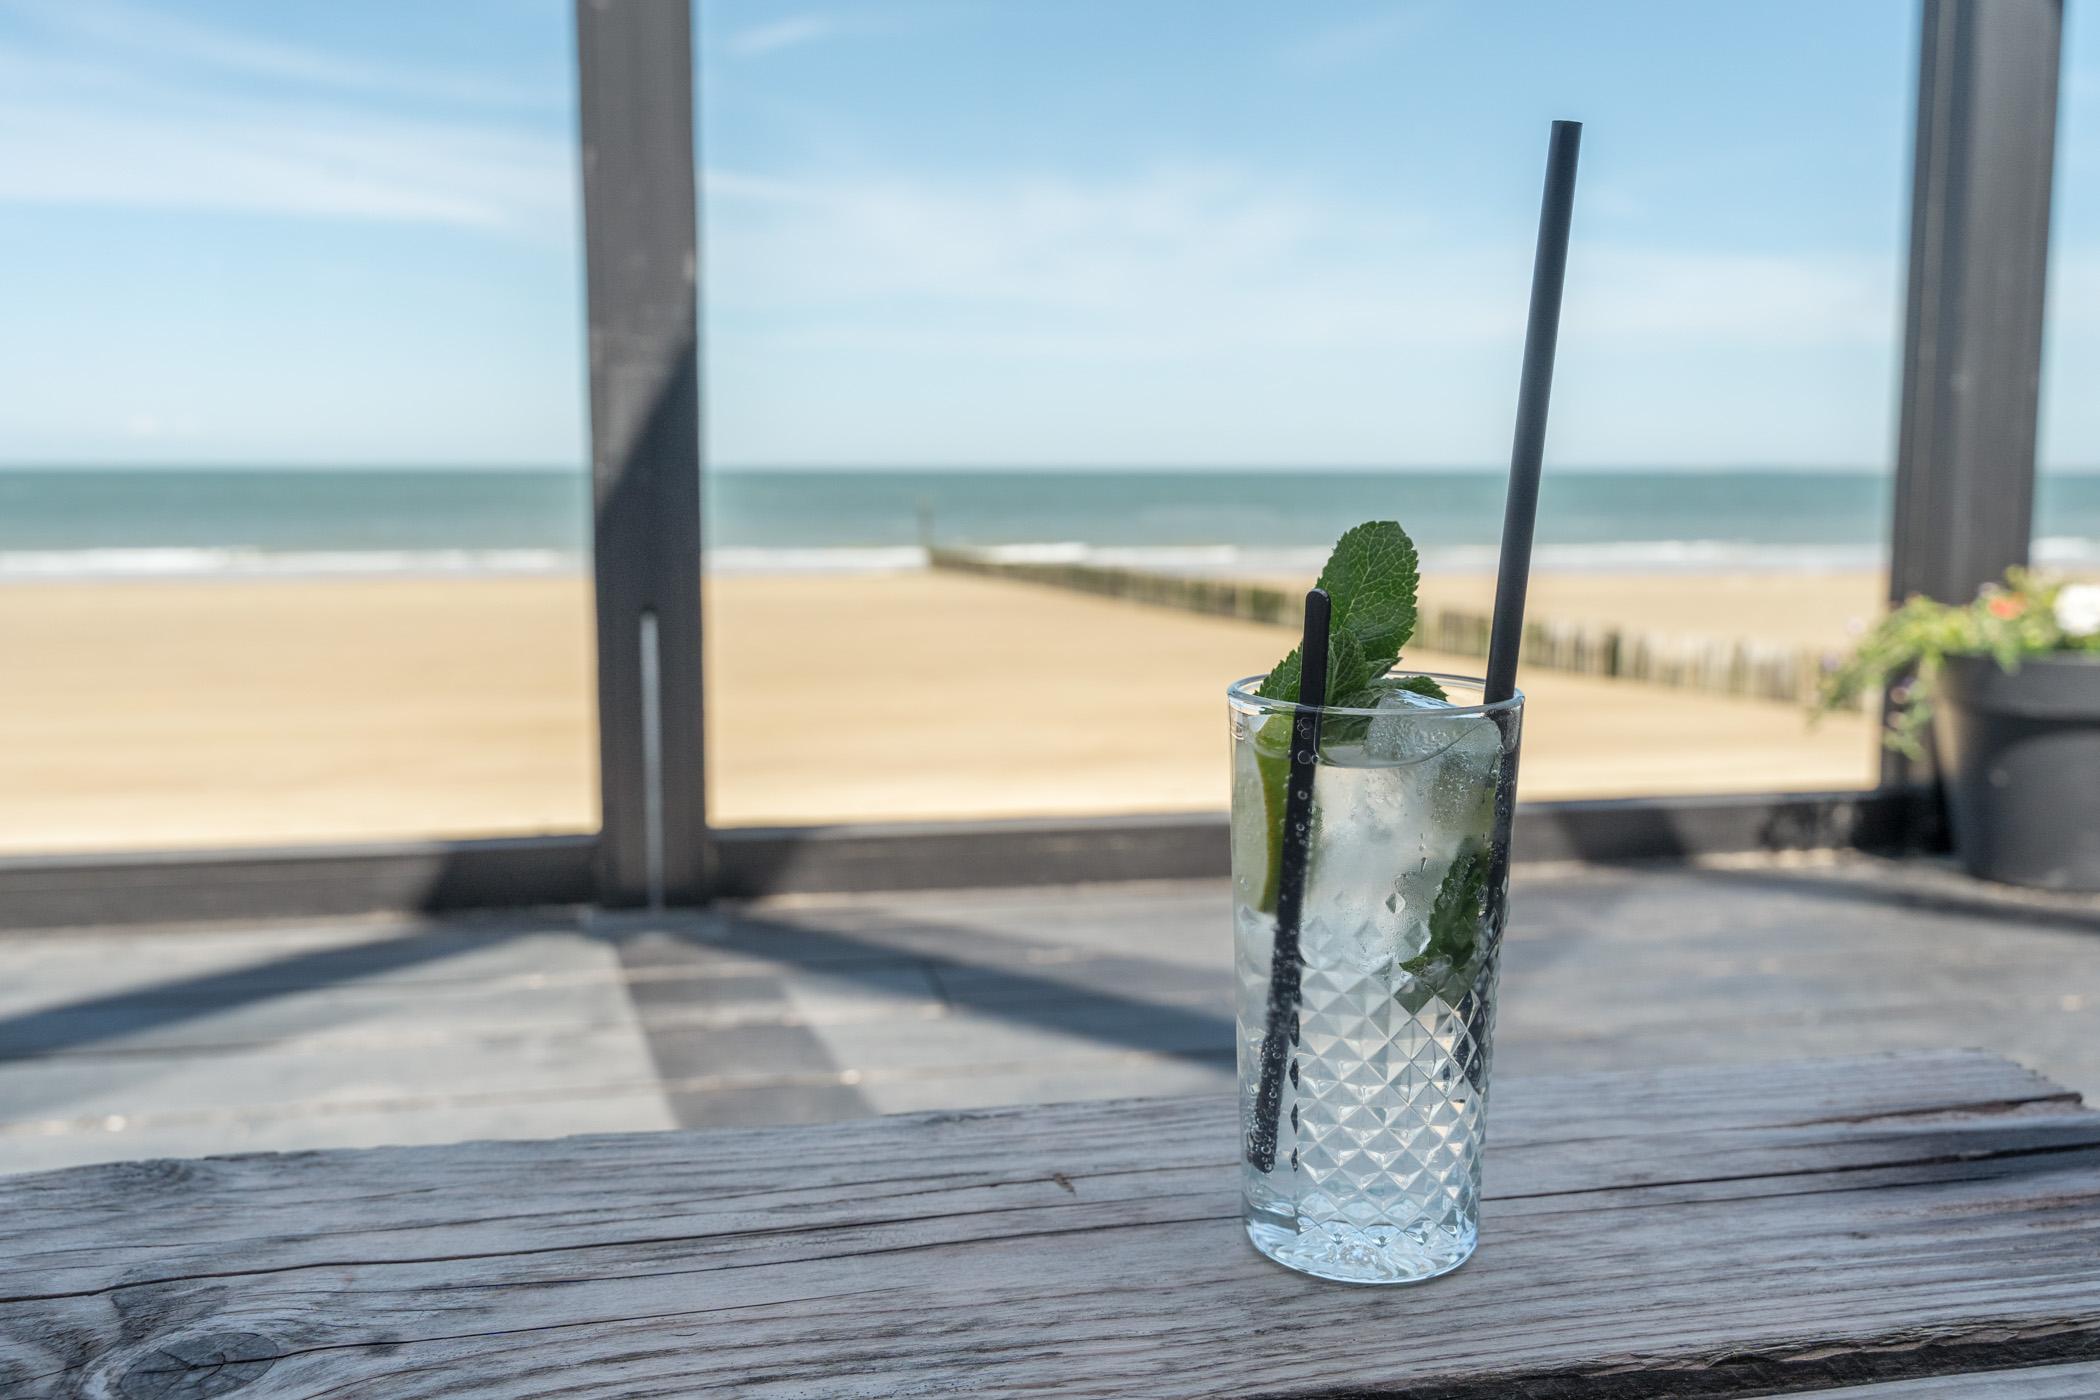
(1461, 904)
(1420, 685)
(1372, 576)
(2008, 622)
(1348, 671)
(1371, 579)
(1450, 962)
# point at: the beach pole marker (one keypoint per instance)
(1541, 334)
(1280, 1031)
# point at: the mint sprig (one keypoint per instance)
(1372, 578)
(1450, 962)
(1461, 905)
(1419, 685)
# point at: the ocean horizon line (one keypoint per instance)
(1659, 557)
(208, 522)
(581, 470)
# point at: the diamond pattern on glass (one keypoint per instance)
(1384, 1120)
(1389, 1105)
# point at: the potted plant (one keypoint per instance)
(2008, 689)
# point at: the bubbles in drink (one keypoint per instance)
(1399, 733)
(1376, 1169)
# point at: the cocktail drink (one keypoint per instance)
(1366, 1012)
(1370, 858)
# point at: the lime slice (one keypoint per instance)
(1261, 771)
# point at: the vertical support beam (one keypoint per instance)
(1972, 346)
(635, 104)
(1979, 244)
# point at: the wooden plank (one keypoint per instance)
(1528, 1113)
(400, 1120)
(116, 1045)
(754, 861)
(1602, 969)
(131, 1022)
(211, 962)
(537, 1062)
(2076, 1382)
(1022, 1032)
(1685, 1234)
(757, 861)
(170, 887)
(38, 892)
(1052, 1081)
(50, 1241)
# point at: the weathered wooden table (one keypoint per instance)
(1910, 1226)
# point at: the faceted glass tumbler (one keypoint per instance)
(1367, 1021)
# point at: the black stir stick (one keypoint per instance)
(1281, 1030)
(1520, 515)
(1520, 511)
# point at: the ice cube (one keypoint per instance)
(1343, 753)
(1366, 829)
(1406, 730)
(1415, 890)
(1376, 942)
(1462, 788)
(1257, 940)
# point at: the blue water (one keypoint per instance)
(74, 521)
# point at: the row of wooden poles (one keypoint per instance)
(1714, 666)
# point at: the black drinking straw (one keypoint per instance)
(1549, 266)
(1281, 1029)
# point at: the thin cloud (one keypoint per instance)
(1204, 262)
(106, 124)
(273, 160)
(154, 40)
(790, 33)
(1232, 315)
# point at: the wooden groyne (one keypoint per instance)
(1742, 668)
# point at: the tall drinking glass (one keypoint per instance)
(1364, 1032)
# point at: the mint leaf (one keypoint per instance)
(1372, 576)
(1348, 677)
(1348, 672)
(1371, 579)
(1350, 729)
(1368, 695)
(1461, 905)
(1451, 962)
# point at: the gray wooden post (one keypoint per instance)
(1972, 347)
(635, 103)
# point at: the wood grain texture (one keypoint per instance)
(2076, 1382)
(1738, 1231)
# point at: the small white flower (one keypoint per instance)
(2078, 609)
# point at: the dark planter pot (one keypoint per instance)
(2020, 754)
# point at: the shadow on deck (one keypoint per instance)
(182, 1042)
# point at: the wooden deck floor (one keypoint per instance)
(118, 1045)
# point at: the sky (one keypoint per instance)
(1181, 232)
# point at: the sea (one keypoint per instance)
(144, 522)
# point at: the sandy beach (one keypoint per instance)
(168, 714)
(1806, 608)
